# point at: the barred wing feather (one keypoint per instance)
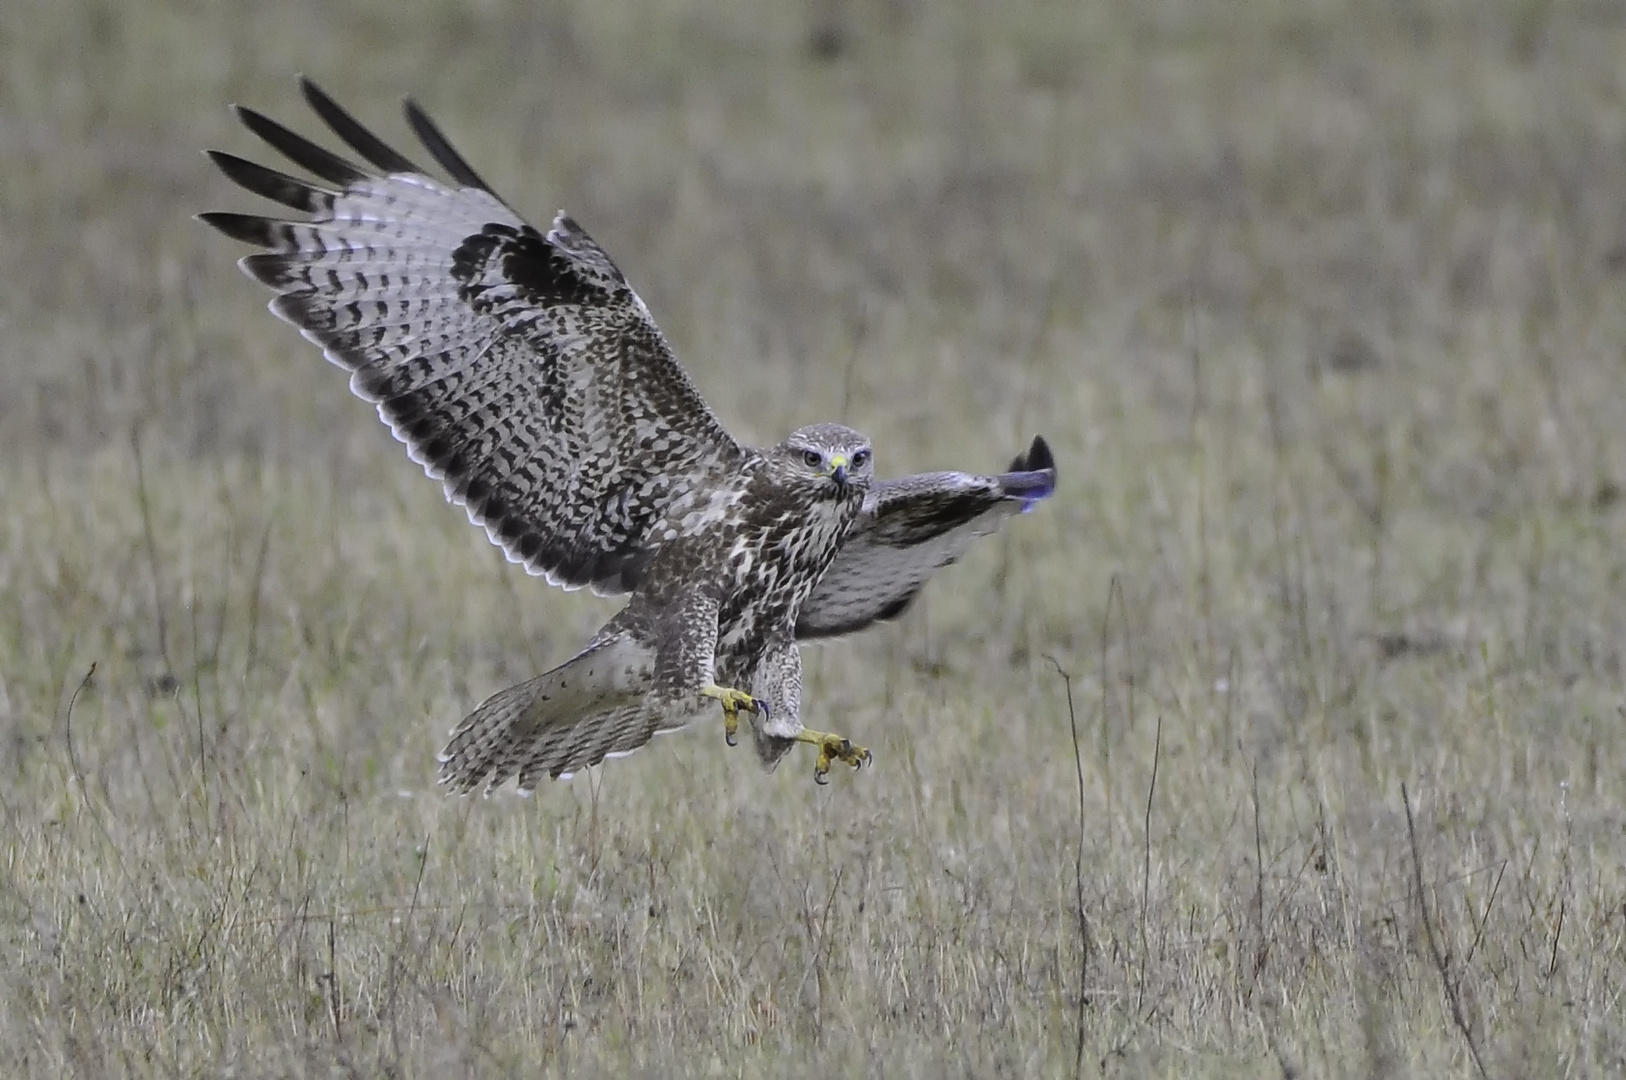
(519, 368)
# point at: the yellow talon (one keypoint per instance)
(833, 748)
(733, 701)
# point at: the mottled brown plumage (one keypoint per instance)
(522, 371)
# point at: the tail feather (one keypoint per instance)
(564, 751)
(488, 742)
(557, 723)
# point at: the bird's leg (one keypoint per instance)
(833, 748)
(733, 701)
(689, 660)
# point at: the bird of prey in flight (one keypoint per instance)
(522, 372)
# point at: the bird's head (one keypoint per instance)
(836, 458)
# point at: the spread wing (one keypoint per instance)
(910, 529)
(519, 368)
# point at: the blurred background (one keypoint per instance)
(1320, 305)
(1021, 191)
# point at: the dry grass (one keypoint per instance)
(1322, 309)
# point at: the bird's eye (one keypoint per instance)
(860, 459)
(813, 458)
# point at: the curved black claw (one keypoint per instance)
(731, 738)
(833, 748)
(759, 707)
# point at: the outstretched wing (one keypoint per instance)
(910, 529)
(519, 368)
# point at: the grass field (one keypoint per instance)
(1286, 740)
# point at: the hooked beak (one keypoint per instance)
(838, 469)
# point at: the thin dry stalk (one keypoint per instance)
(1078, 871)
(1146, 860)
(1452, 997)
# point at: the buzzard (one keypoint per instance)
(523, 373)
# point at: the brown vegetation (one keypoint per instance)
(1320, 305)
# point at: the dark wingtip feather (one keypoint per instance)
(298, 149)
(1032, 476)
(279, 270)
(245, 227)
(1039, 456)
(1036, 458)
(440, 149)
(278, 187)
(350, 129)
